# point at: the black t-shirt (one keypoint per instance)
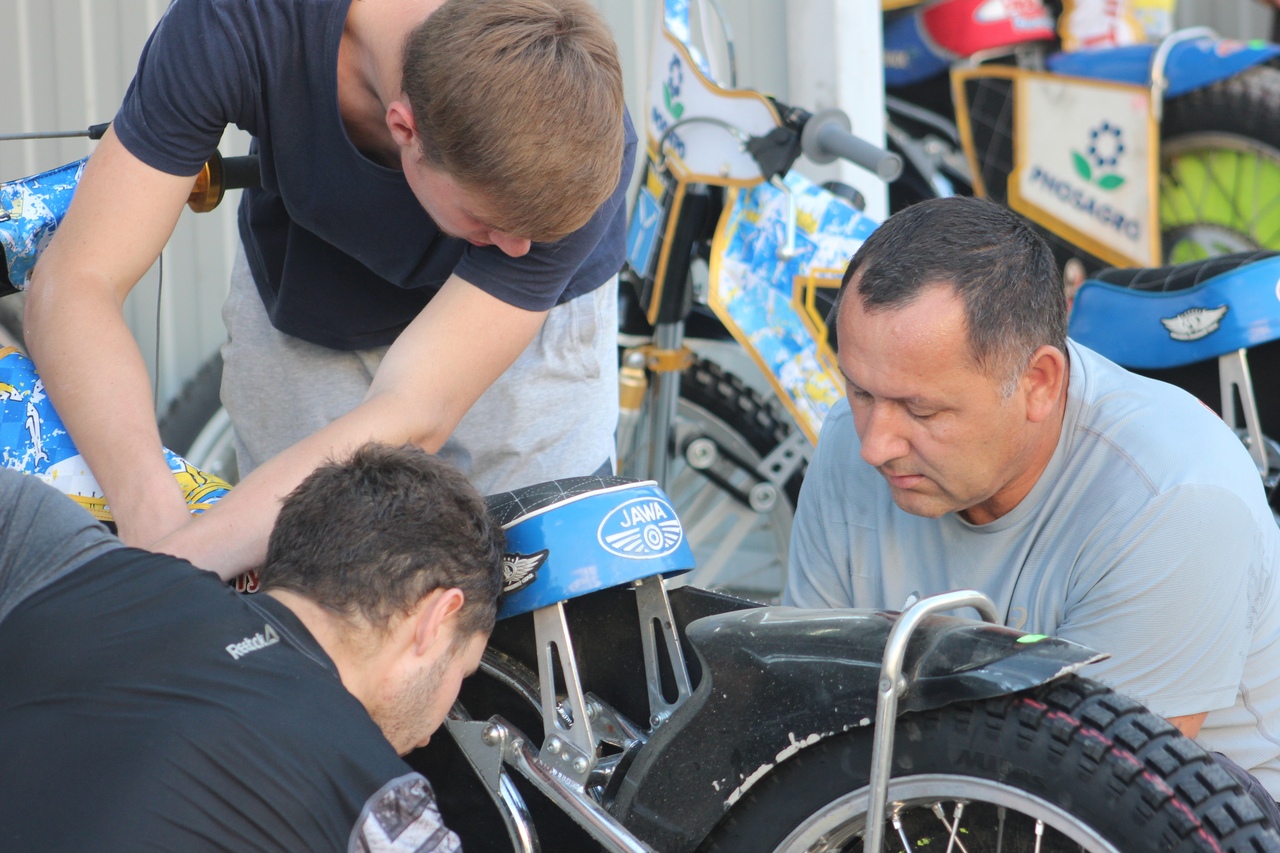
(341, 251)
(144, 705)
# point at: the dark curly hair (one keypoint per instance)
(374, 534)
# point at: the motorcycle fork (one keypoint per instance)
(575, 727)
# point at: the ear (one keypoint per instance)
(431, 618)
(404, 130)
(1045, 380)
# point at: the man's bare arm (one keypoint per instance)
(120, 218)
(1190, 724)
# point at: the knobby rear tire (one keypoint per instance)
(1098, 764)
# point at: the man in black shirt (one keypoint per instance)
(145, 705)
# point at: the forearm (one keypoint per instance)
(75, 330)
(232, 537)
(96, 379)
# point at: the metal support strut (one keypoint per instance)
(892, 685)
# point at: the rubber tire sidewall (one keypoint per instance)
(1100, 761)
(1246, 105)
(196, 404)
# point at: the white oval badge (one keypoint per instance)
(640, 529)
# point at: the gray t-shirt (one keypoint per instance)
(43, 535)
(1148, 536)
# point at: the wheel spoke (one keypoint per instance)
(1216, 195)
(897, 824)
(953, 827)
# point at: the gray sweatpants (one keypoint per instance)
(552, 414)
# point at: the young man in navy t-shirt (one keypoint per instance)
(430, 257)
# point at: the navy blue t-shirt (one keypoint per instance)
(341, 251)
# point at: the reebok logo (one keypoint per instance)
(266, 637)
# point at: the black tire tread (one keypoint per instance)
(743, 409)
(1090, 750)
(1247, 103)
(195, 404)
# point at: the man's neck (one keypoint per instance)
(334, 634)
(1040, 454)
(370, 61)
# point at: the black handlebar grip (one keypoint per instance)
(827, 136)
(240, 172)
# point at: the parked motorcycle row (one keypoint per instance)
(621, 704)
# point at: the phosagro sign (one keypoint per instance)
(1085, 165)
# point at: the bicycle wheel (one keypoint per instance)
(1068, 766)
(1220, 168)
(196, 426)
(724, 427)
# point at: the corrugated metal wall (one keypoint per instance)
(67, 64)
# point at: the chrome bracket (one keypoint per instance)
(892, 686)
(484, 743)
(1234, 378)
(568, 744)
(659, 636)
(788, 251)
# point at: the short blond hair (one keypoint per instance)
(520, 101)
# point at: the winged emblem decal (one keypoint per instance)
(520, 570)
(1194, 323)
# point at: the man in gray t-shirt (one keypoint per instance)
(981, 449)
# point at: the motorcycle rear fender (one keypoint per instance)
(777, 680)
(1191, 65)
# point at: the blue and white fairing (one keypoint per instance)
(30, 211)
(567, 538)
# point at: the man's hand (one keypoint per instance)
(1190, 725)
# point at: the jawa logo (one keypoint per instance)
(1194, 323)
(640, 529)
(520, 570)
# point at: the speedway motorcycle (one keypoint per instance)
(1208, 326)
(611, 714)
(1126, 156)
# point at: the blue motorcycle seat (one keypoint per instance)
(1178, 276)
(571, 537)
(1173, 316)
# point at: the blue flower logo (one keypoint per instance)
(1106, 145)
(671, 88)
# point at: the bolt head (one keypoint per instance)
(701, 453)
(554, 745)
(763, 496)
(580, 765)
(492, 735)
